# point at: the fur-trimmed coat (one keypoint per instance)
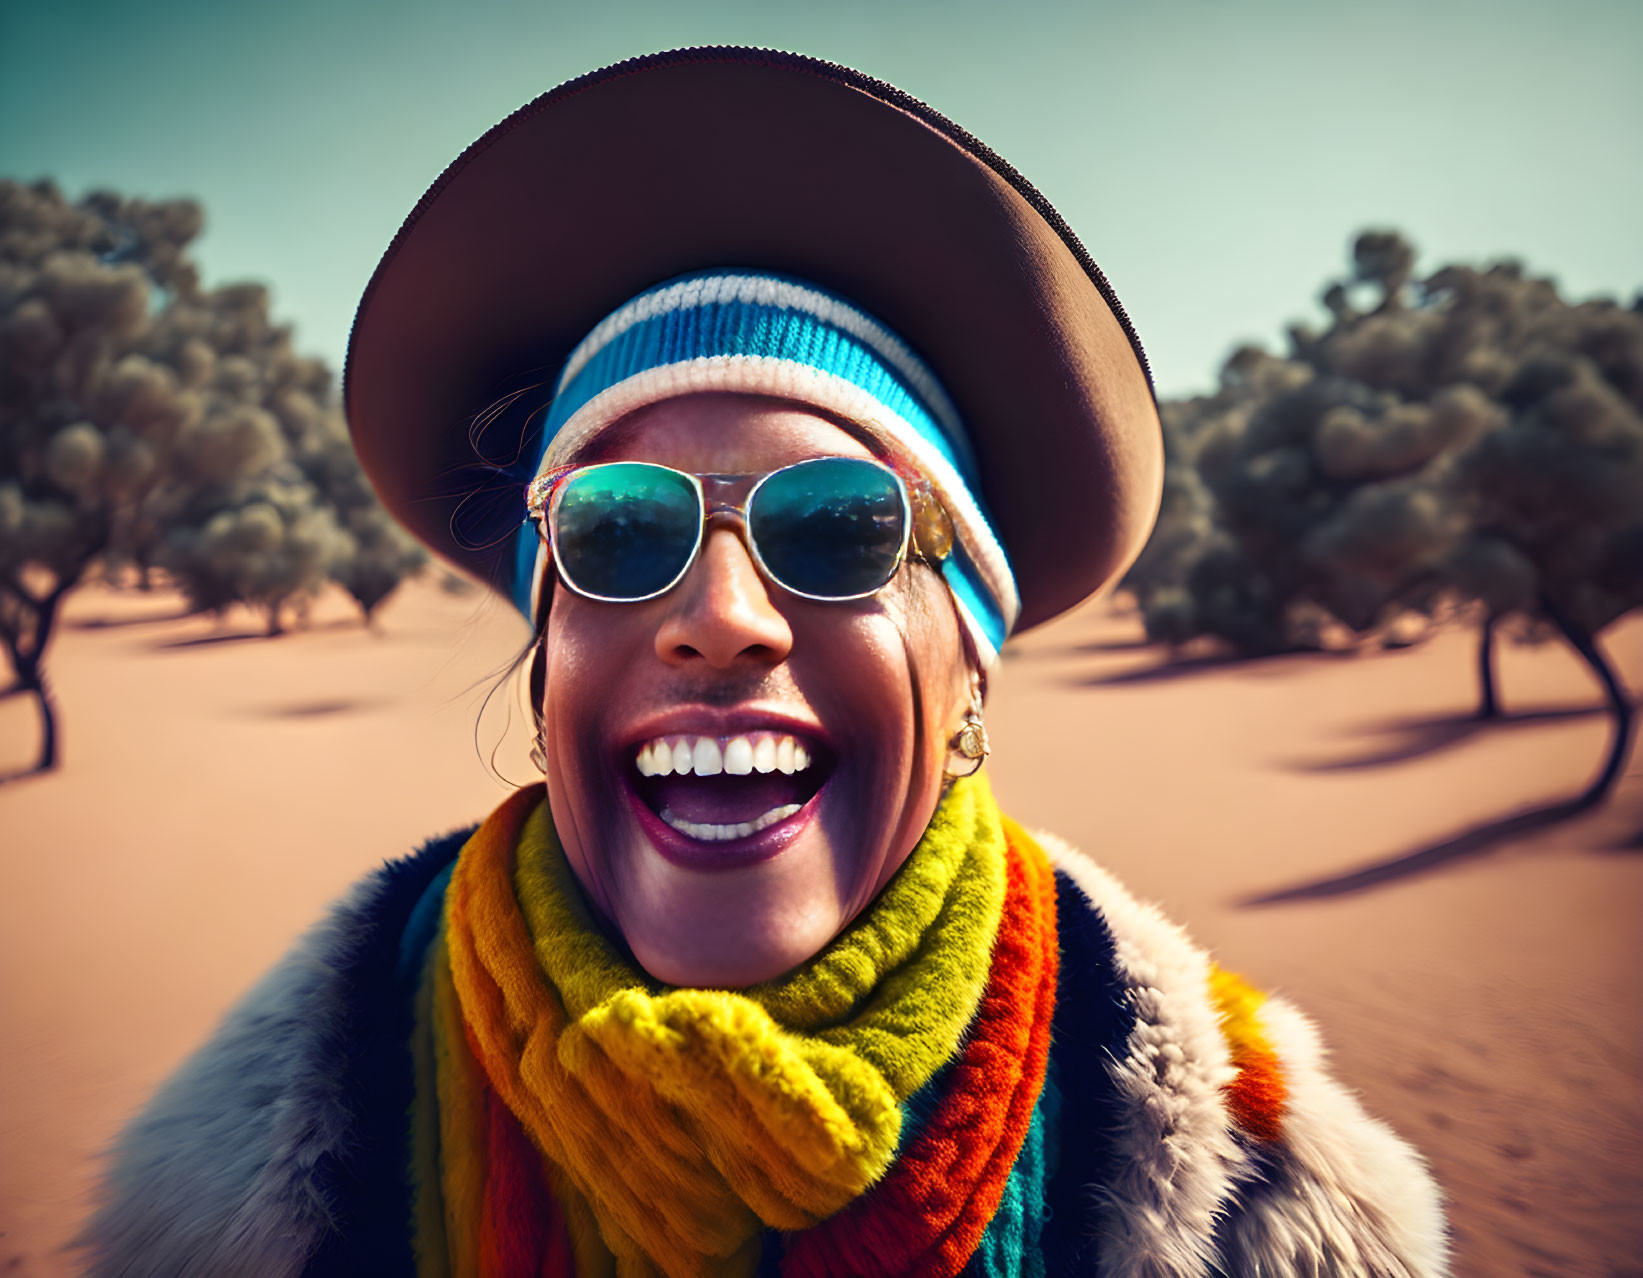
(279, 1148)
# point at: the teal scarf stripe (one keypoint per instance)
(1012, 1247)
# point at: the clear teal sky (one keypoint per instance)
(1216, 157)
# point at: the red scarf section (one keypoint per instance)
(521, 1230)
(928, 1215)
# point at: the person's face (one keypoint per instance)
(729, 663)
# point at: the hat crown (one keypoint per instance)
(792, 166)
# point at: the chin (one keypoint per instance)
(726, 922)
(759, 959)
(733, 907)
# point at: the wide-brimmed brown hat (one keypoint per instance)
(736, 157)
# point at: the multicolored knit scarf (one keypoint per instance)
(884, 1107)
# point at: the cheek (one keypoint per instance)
(576, 642)
(860, 678)
(583, 666)
(593, 651)
(570, 663)
(905, 698)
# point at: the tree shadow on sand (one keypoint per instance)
(316, 709)
(1138, 644)
(1415, 738)
(1476, 841)
(207, 641)
(240, 636)
(1481, 839)
(1186, 667)
(128, 623)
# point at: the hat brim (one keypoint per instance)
(727, 157)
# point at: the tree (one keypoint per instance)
(347, 537)
(145, 420)
(1468, 440)
(380, 553)
(263, 542)
(87, 414)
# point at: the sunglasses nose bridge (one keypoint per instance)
(733, 519)
(721, 514)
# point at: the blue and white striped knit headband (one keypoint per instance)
(772, 335)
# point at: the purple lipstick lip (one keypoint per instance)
(728, 854)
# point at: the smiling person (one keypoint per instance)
(775, 402)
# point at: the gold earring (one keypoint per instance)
(970, 741)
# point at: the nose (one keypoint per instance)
(721, 613)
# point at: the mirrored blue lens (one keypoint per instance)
(626, 530)
(833, 527)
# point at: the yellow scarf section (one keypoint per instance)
(681, 1122)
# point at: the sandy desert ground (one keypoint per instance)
(219, 788)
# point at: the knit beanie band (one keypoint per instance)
(765, 334)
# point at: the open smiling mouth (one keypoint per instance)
(719, 789)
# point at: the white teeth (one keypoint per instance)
(709, 756)
(739, 756)
(709, 832)
(708, 759)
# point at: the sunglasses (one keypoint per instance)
(829, 529)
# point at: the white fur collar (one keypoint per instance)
(1339, 1196)
(1177, 1161)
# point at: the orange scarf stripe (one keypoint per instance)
(930, 1213)
(462, 1125)
(592, 1259)
(1259, 1093)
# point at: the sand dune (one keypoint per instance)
(219, 788)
